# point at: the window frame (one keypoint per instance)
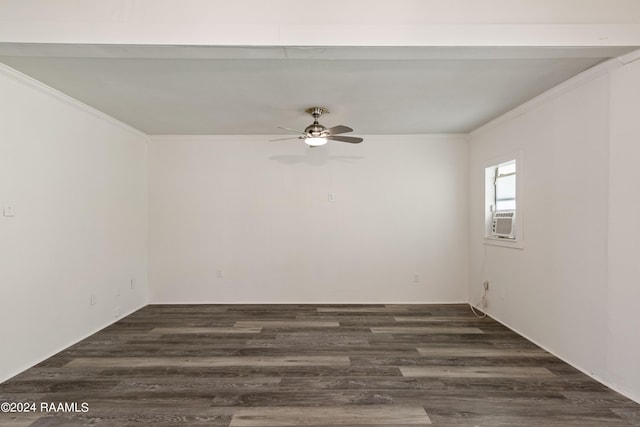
(490, 201)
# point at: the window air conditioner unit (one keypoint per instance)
(502, 224)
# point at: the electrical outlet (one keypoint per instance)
(416, 278)
(220, 273)
(331, 197)
(8, 210)
(486, 285)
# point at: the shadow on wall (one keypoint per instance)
(314, 157)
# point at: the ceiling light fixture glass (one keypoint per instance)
(315, 141)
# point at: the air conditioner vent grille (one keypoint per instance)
(502, 225)
(504, 215)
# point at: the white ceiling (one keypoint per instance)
(252, 90)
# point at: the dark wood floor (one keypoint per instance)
(304, 365)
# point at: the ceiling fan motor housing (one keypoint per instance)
(315, 129)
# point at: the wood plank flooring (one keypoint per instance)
(312, 365)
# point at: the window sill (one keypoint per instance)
(507, 243)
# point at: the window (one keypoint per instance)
(503, 216)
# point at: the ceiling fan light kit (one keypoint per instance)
(315, 141)
(316, 135)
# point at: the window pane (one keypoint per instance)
(506, 204)
(506, 188)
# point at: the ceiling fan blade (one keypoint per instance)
(291, 130)
(339, 129)
(350, 139)
(283, 139)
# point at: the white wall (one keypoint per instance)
(77, 182)
(623, 345)
(560, 290)
(259, 210)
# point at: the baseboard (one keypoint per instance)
(307, 302)
(602, 381)
(66, 346)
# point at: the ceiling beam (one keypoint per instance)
(329, 23)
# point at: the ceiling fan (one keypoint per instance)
(315, 134)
